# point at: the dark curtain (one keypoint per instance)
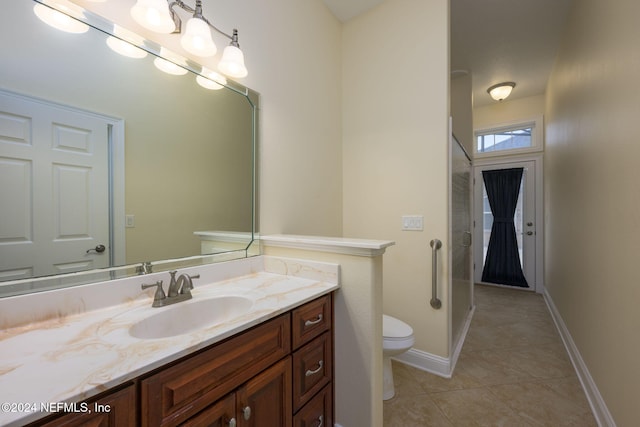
(502, 264)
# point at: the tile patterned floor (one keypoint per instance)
(513, 371)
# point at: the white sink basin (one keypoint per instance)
(185, 317)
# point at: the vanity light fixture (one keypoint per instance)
(501, 91)
(160, 16)
(59, 20)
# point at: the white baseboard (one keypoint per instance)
(598, 406)
(437, 365)
(431, 363)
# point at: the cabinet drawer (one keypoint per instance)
(318, 412)
(312, 369)
(310, 320)
(182, 390)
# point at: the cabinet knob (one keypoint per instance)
(232, 422)
(320, 421)
(246, 412)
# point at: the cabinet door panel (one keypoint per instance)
(265, 401)
(117, 409)
(220, 414)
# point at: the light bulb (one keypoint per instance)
(197, 38)
(153, 15)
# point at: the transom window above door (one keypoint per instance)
(511, 138)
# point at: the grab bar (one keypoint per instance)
(435, 302)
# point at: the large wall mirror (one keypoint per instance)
(101, 150)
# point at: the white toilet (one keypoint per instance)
(397, 337)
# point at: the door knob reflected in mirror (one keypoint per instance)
(98, 249)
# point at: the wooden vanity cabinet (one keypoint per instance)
(176, 393)
(276, 374)
(115, 408)
(264, 401)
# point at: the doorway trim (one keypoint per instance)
(537, 160)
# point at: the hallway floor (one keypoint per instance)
(513, 371)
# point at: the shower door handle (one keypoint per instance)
(435, 302)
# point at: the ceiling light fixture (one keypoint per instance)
(160, 16)
(501, 91)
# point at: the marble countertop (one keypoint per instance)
(72, 357)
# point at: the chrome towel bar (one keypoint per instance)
(435, 302)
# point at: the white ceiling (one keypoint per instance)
(495, 40)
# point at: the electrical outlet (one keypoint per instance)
(413, 222)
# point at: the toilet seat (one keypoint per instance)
(394, 329)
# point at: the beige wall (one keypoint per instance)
(592, 200)
(395, 151)
(508, 111)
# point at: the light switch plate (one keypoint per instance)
(412, 222)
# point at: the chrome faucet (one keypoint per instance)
(179, 289)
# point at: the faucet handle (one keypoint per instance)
(159, 295)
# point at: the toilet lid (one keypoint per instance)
(395, 328)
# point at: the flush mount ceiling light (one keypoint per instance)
(160, 16)
(500, 91)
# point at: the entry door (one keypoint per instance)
(524, 219)
(56, 207)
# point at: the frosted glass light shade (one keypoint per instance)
(59, 20)
(197, 38)
(211, 80)
(232, 62)
(153, 15)
(501, 91)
